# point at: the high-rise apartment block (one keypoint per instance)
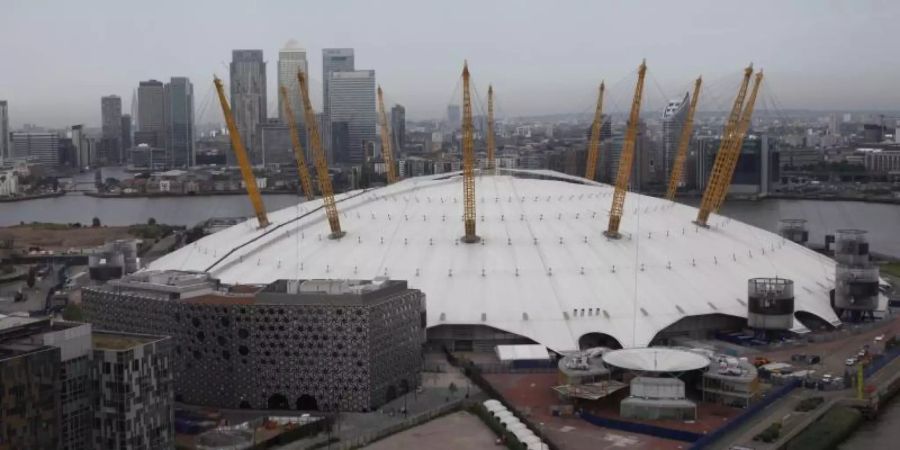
(179, 120)
(352, 100)
(134, 397)
(66, 387)
(248, 99)
(454, 117)
(398, 126)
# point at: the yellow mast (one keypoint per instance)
(334, 221)
(593, 156)
(305, 182)
(468, 162)
(685, 140)
(627, 157)
(490, 130)
(386, 150)
(241, 154)
(717, 179)
(743, 127)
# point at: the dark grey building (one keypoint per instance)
(275, 143)
(179, 118)
(248, 99)
(40, 148)
(398, 127)
(133, 406)
(4, 130)
(127, 141)
(757, 169)
(151, 117)
(304, 344)
(333, 60)
(672, 123)
(111, 129)
(352, 100)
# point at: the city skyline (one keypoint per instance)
(811, 56)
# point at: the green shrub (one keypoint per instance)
(827, 432)
(809, 404)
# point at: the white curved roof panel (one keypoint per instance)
(543, 268)
(655, 359)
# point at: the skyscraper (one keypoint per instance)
(111, 126)
(291, 60)
(333, 60)
(398, 126)
(352, 97)
(4, 130)
(248, 99)
(41, 148)
(126, 133)
(672, 122)
(151, 110)
(179, 117)
(454, 118)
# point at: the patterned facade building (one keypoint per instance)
(294, 344)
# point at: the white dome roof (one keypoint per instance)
(543, 269)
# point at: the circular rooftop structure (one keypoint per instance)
(655, 359)
(543, 268)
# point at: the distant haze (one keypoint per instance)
(543, 57)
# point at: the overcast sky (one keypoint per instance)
(543, 56)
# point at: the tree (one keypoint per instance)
(32, 278)
(73, 312)
(452, 388)
(151, 221)
(95, 222)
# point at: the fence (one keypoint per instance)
(367, 438)
(641, 428)
(474, 373)
(748, 413)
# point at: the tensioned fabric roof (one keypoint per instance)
(543, 268)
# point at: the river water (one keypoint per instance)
(824, 217)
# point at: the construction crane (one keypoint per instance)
(386, 150)
(243, 161)
(334, 221)
(717, 182)
(593, 155)
(743, 127)
(468, 161)
(626, 157)
(687, 130)
(490, 130)
(305, 182)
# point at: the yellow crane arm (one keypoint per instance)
(243, 161)
(627, 157)
(590, 171)
(468, 161)
(386, 150)
(305, 182)
(334, 221)
(687, 130)
(743, 127)
(717, 183)
(490, 130)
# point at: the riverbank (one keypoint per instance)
(23, 198)
(187, 194)
(834, 198)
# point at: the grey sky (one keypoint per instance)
(542, 56)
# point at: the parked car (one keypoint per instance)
(850, 361)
